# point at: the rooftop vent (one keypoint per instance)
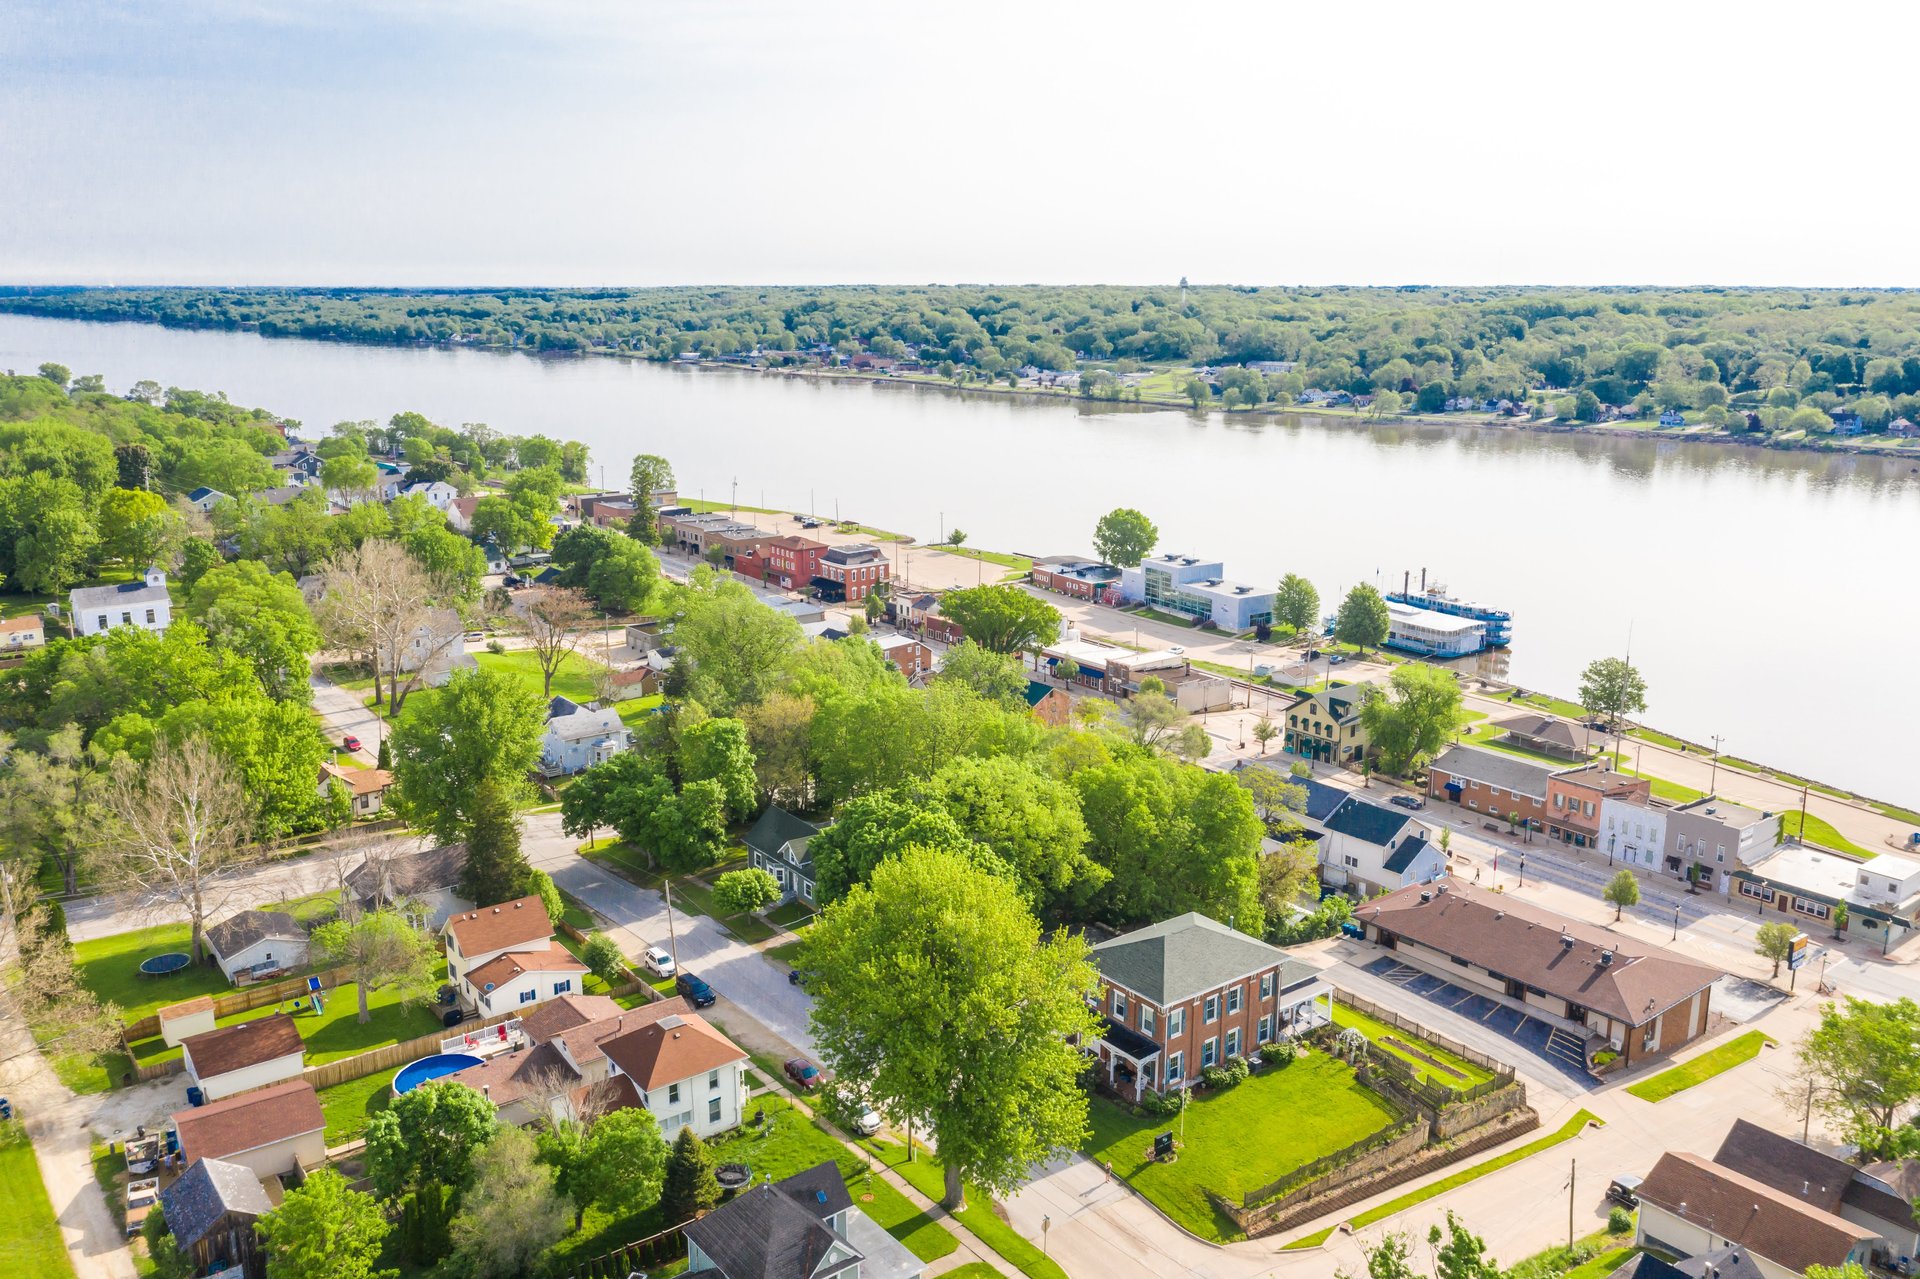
(1425, 897)
(1499, 914)
(1566, 941)
(820, 1196)
(1606, 957)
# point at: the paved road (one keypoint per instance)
(343, 713)
(743, 978)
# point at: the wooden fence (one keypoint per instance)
(375, 1060)
(245, 999)
(668, 1245)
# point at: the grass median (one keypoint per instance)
(1679, 1078)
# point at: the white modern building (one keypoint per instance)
(145, 604)
(1421, 630)
(1195, 587)
(1632, 834)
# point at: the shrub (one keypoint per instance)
(1279, 1053)
(1162, 1104)
(1604, 1056)
(1217, 1077)
(1619, 1222)
(495, 647)
(1237, 1070)
(602, 955)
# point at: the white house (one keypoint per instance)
(1632, 834)
(437, 648)
(475, 936)
(578, 737)
(366, 786)
(273, 1131)
(205, 499)
(520, 978)
(145, 603)
(251, 1054)
(258, 941)
(687, 1074)
(1372, 849)
(439, 494)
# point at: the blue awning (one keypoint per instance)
(1456, 787)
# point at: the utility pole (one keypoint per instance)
(673, 945)
(1803, 811)
(1713, 778)
(1573, 1172)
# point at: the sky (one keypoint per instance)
(625, 142)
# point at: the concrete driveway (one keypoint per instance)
(739, 974)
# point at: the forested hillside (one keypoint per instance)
(1769, 351)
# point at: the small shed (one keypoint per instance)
(275, 1132)
(189, 1017)
(257, 942)
(210, 1211)
(251, 1054)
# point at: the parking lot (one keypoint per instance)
(1549, 1044)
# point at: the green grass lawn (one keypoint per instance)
(1819, 831)
(30, 1241)
(697, 895)
(1702, 1068)
(1018, 563)
(1377, 1033)
(1593, 1256)
(349, 1107)
(981, 1215)
(1572, 1128)
(335, 1032)
(110, 968)
(974, 1270)
(791, 915)
(787, 953)
(1240, 1139)
(788, 1143)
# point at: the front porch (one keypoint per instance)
(1129, 1063)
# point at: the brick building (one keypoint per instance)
(1491, 782)
(1179, 996)
(789, 562)
(848, 573)
(1081, 579)
(1574, 796)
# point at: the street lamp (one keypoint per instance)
(1611, 836)
(1523, 870)
(1046, 1224)
(1676, 921)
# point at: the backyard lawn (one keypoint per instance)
(335, 1032)
(351, 1106)
(1702, 1068)
(1819, 831)
(110, 968)
(1378, 1033)
(1240, 1139)
(786, 1144)
(30, 1242)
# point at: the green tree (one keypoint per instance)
(736, 644)
(58, 374)
(1414, 718)
(495, 870)
(970, 1025)
(1152, 717)
(1775, 942)
(1264, 731)
(1029, 820)
(1363, 618)
(1198, 393)
(871, 828)
(137, 527)
(717, 750)
(998, 677)
(512, 1214)
(623, 1163)
(1123, 537)
(1276, 796)
(1297, 604)
(1460, 1254)
(429, 1136)
(739, 891)
(350, 476)
(1859, 1068)
(325, 1229)
(1622, 891)
(1289, 878)
(601, 954)
(690, 1187)
(1002, 619)
(625, 578)
(651, 474)
(261, 616)
(1611, 687)
(483, 726)
(541, 885)
(380, 949)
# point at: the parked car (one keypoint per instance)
(350, 742)
(804, 1074)
(1625, 1191)
(698, 993)
(1408, 801)
(1335, 660)
(861, 1117)
(658, 962)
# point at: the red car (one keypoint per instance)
(350, 742)
(803, 1073)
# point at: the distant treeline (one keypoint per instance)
(1773, 352)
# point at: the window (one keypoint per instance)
(149, 617)
(528, 996)
(713, 1110)
(673, 1093)
(1818, 910)
(562, 987)
(1350, 861)
(1120, 1006)
(1266, 985)
(1233, 999)
(1176, 1023)
(126, 619)
(713, 1080)
(1209, 1052)
(1146, 1021)
(1679, 842)
(1173, 1068)
(1210, 1010)
(1265, 1031)
(1559, 801)
(103, 621)
(1233, 1042)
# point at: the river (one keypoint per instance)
(1744, 577)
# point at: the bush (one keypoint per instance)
(1280, 1053)
(1163, 1104)
(1238, 1069)
(495, 647)
(1619, 1222)
(601, 954)
(1604, 1056)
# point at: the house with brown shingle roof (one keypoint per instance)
(520, 978)
(367, 787)
(251, 1054)
(1640, 999)
(1690, 1205)
(475, 936)
(273, 1131)
(686, 1073)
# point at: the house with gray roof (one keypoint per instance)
(1494, 783)
(1370, 848)
(777, 844)
(1189, 993)
(258, 941)
(143, 603)
(578, 737)
(803, 1227)
(210, 1210)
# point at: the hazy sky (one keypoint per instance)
(220, 141)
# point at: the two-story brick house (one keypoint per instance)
(1502, 786)
(789, 562)
(1179, 996)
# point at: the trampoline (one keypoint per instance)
(424, 1069)
(163, 965)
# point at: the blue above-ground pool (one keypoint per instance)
(417, 1072)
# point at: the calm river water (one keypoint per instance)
(1749, 578)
